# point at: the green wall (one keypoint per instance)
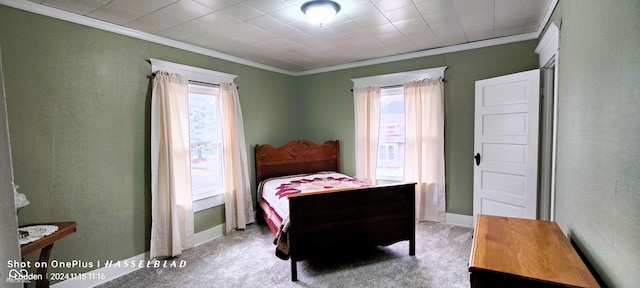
(598, 168)
(326, 104)
(78, 103)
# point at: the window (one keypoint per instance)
(391, 137)
(205, 133)
(390, 163)
(387, 154)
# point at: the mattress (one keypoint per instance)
(273, 193)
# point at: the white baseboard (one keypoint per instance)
(208, 235)
(459, 220)
(111, 273)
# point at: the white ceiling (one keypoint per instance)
(277, 34)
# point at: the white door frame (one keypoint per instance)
(548, 51)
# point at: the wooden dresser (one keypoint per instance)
(514, 252)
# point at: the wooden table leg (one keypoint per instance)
(42, 270)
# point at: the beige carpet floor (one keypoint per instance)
(246, 258)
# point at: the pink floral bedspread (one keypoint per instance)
(315, 184)
(275, 204)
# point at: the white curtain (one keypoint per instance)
(238, 205)
(424, 154)
(171, 201)
(367, 122)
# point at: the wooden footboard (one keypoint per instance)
(334, 221)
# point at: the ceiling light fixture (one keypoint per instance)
(320, 11)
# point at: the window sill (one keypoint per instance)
(208, 202)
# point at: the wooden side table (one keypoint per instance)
(46, 244)
(514, 252)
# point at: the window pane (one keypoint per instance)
(205, 141)
(390, 166)
(382, 152)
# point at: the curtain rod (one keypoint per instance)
(204, 83)
(199, 82)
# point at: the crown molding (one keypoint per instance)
(424, 53)
(549, 44)
(102, 25)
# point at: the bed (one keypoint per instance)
(336, 219)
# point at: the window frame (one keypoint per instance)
(203, 76)
(200, 88)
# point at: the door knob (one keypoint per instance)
(477, 159)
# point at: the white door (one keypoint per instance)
(505, 174)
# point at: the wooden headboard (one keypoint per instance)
(296, 157)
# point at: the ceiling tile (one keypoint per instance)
(169, 16)
(215, 5)
(79, 7)
(477, 18)
(125, 11)
(471, 7)
(205, 39)
(441, 10)
(411, 26)
(359, 35)
(266, 6)
(242, 31)
(217, 20)
(283, 31)
(401, 46)
(436, 6)
(115, 15)
(185, 30)
(448, 32)
(141, 7)
(446, 26)
(423, 40)
(402, 13)
(242, 12)
(386, 5)
(384, 29)
(391, 36)
(346, 27)
(477, 28)
(307, 41)
(295, 2)
(361, 9)
(274, 44)
(288, 15)
(372, 20)
(264, 22)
